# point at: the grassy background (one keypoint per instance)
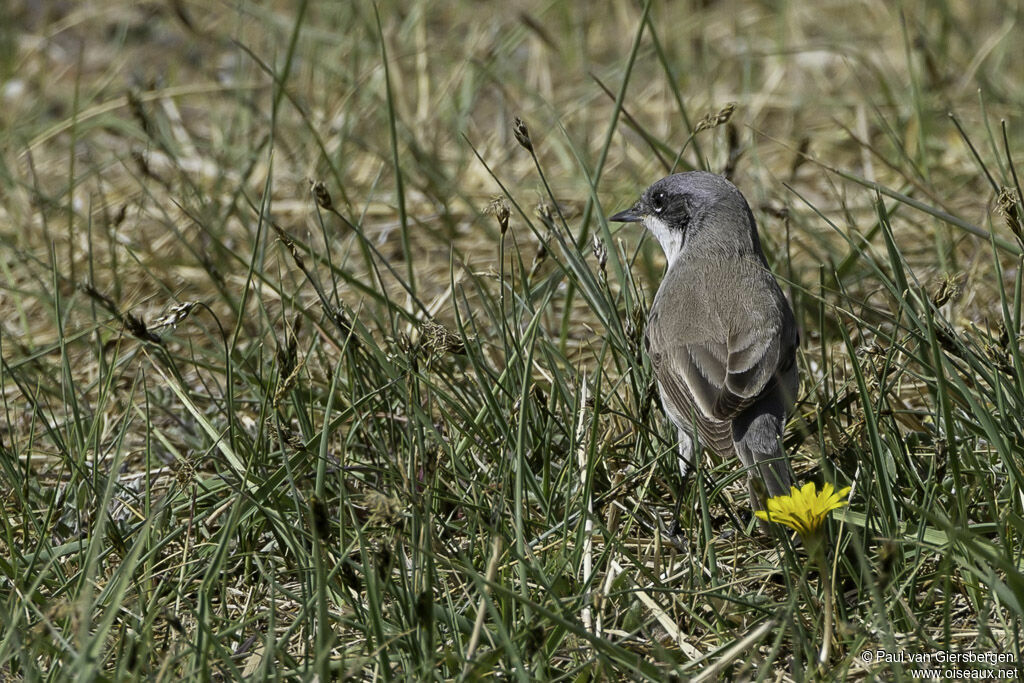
(309, 368)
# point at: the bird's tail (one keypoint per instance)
(759, 447)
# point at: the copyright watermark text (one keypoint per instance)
(947, 664)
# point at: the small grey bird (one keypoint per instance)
(720, 335)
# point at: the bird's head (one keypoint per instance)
(696, 213)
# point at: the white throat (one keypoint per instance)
(671, 241)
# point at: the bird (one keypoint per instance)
(721, 335)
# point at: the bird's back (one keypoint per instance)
(727, 305)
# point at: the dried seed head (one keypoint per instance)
(539, 258)
(713, 120)
(134, 325)
(384, 562)
(176, 314)
(546, 215)
(801, 156)
(185, 471)
(288, 375)
(344, 325)
(601, 254)
(598, 407)
(1008, 206)
(292, 249)
(948, 288)
(499, 209)
(424, 607)
(137, 328)
(288, 353)
(638, 321)
(438, 339)
(285, 434)
(522, 134)
(995, 345)
(321, 195)
(650, 397)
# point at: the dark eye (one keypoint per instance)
(658, 202)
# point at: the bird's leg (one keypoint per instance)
(685, 466)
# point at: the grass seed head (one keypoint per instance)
(184, 471)
(176, 314)
(292, 249)
(499, 208)
(1008, 206)
(539, 258)
(601, 254)
(321, 195)
(522, 134)
(948, 288)
(438, 340)
(137, 328)
(713, 120)
(545, 213)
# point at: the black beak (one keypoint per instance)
(630, 215)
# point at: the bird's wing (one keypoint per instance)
(720, 380)
(752, 362)
(690, 376)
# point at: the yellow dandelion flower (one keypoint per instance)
(804, 509)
